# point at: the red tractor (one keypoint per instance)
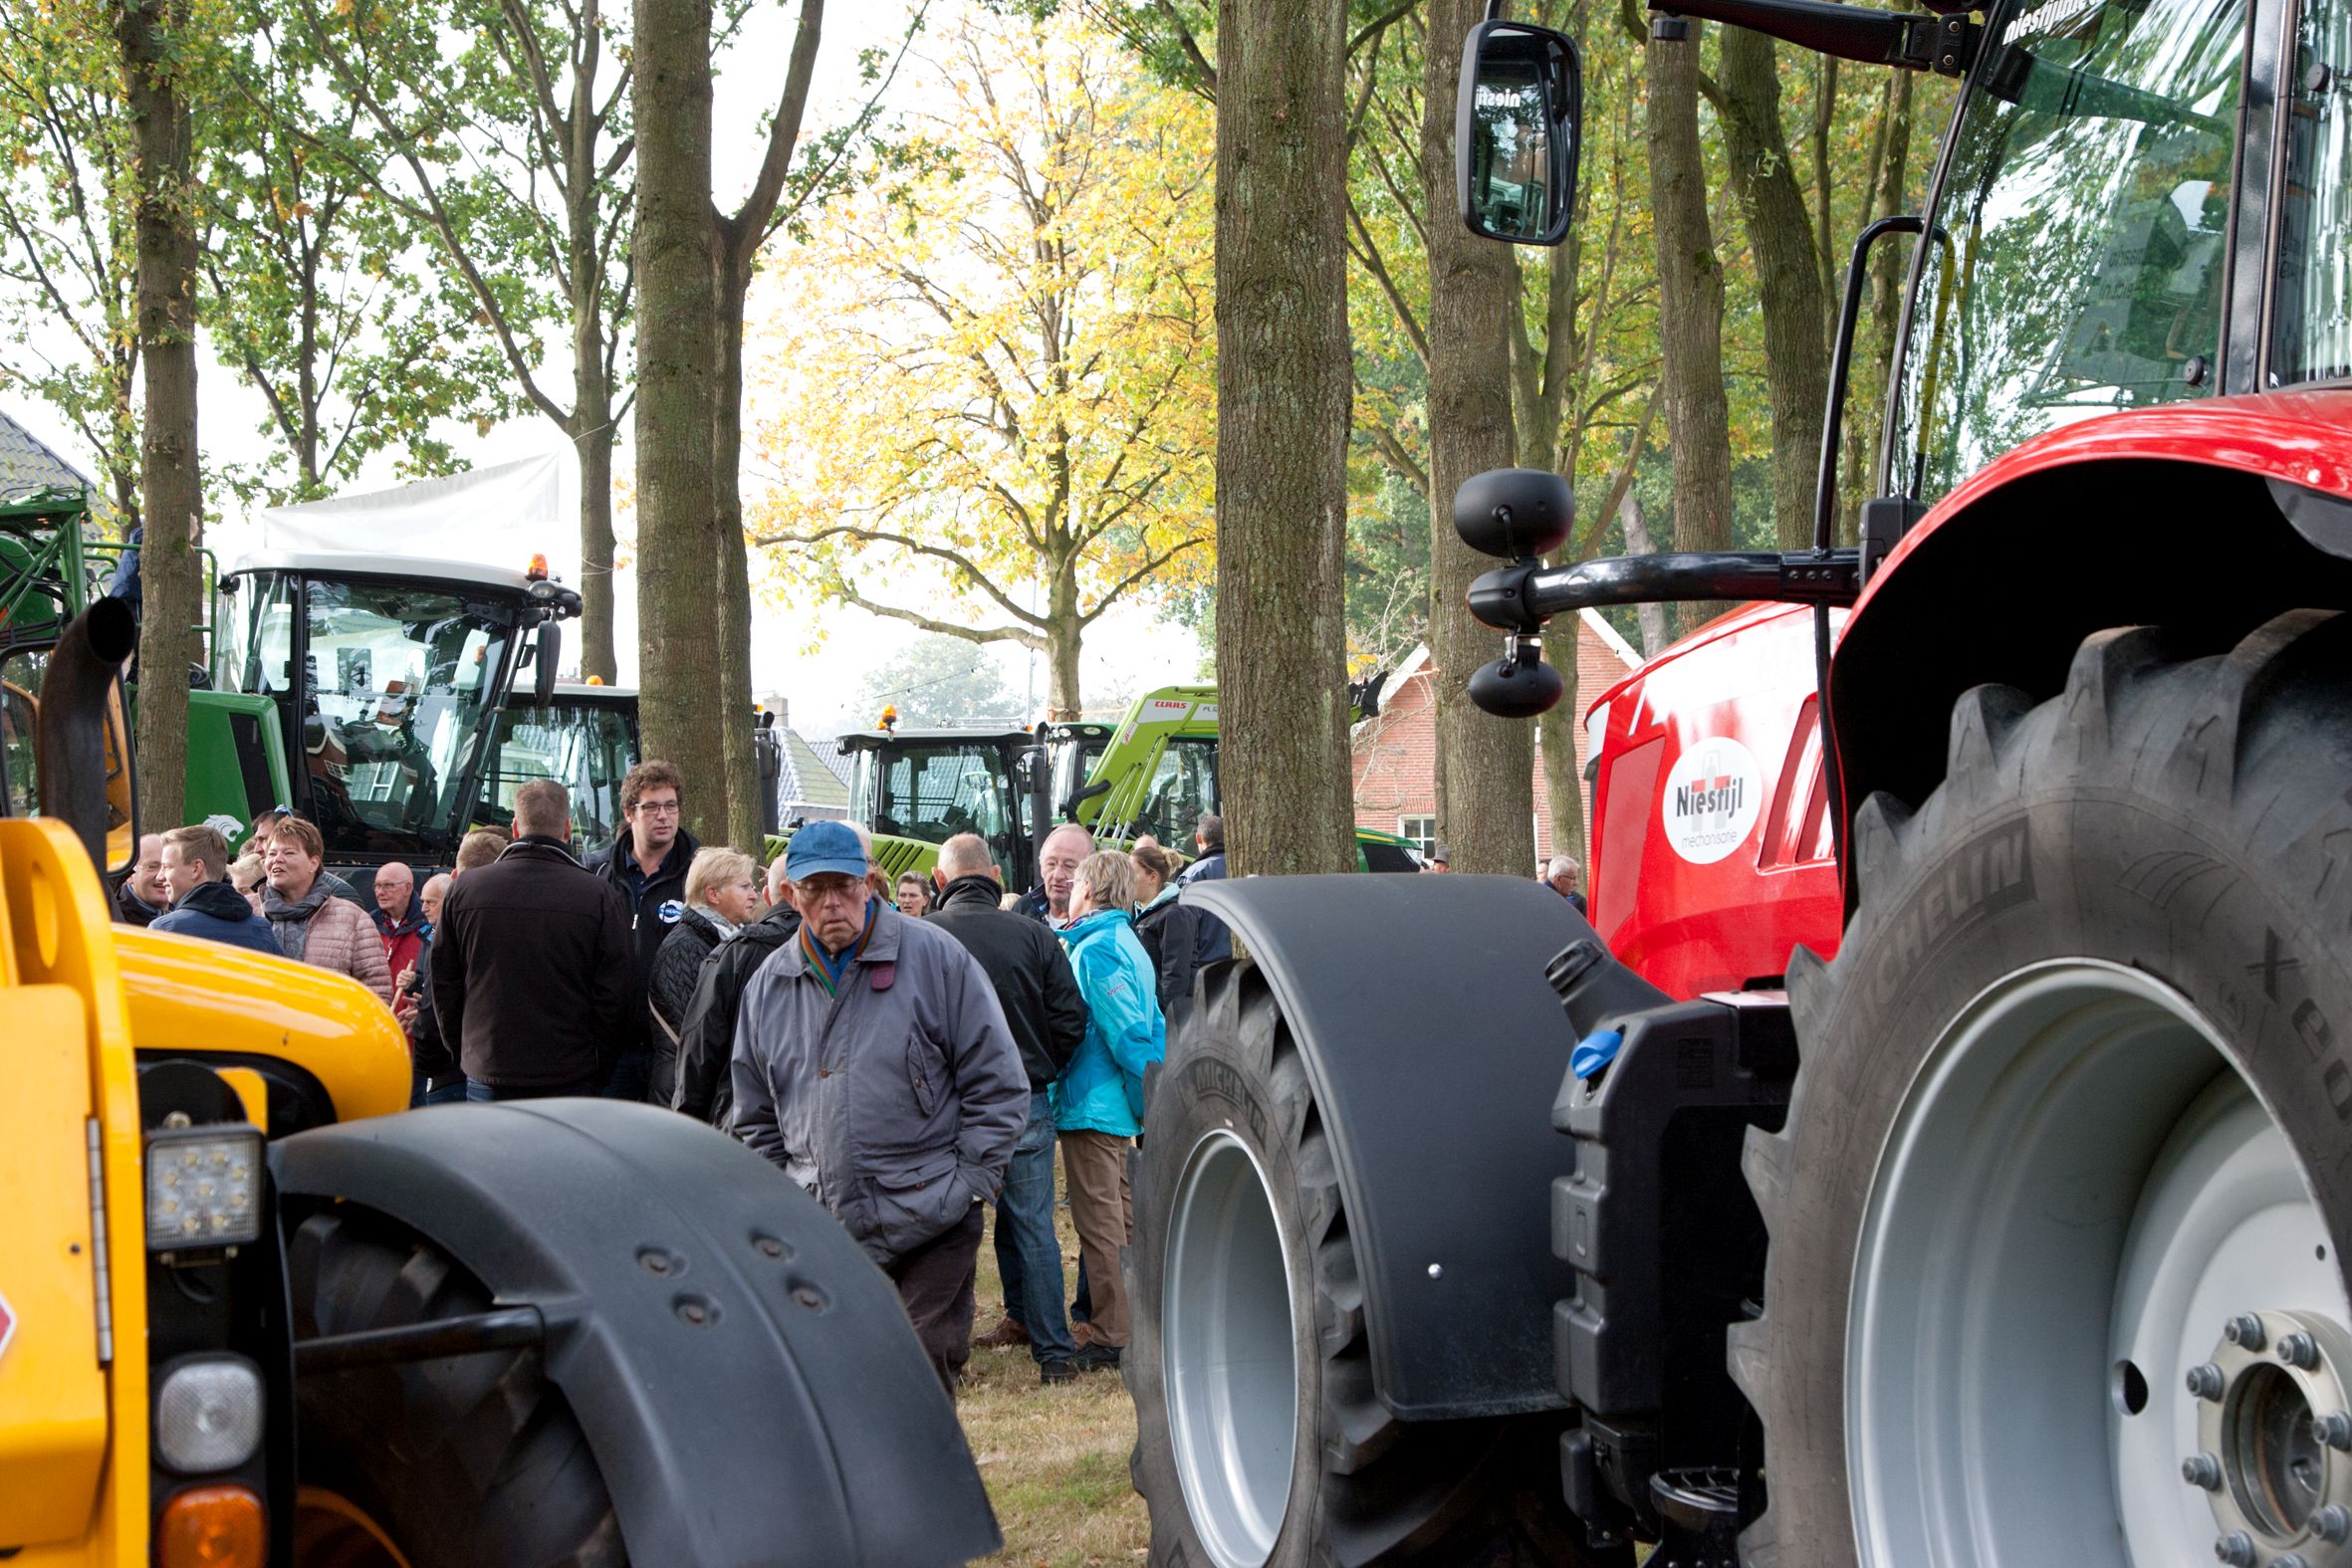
(2013, 1234)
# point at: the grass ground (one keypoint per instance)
(1055, 1458)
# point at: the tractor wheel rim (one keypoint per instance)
(2078, 1193)
(1230, 1352)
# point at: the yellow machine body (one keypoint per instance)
(77, 997)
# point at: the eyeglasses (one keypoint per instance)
(658, 807)
(842, 892)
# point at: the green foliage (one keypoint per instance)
(66, 238)
(1387, 573)
(323, 292)
(500, 130)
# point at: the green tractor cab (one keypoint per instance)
(382, 679)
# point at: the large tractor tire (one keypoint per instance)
(1260, 1441)
(2058, 1212)
(468, 1462)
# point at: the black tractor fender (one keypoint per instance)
(744, 1374)
(1435, 1046)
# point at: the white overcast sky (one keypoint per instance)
(817, 662)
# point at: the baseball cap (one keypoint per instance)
(822, 846)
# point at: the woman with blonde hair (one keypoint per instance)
(245, 874)
(722, 897)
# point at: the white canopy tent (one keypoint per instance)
(498, 515)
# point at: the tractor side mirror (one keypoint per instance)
(542, 671)
(1516, 132)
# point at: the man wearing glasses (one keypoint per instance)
(648, 865)
(874, 1065)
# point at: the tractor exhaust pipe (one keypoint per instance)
(69, 737)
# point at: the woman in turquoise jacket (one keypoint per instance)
(1098, 1099)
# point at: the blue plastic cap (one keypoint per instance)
(1595, 1051)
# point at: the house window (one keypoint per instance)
(1422, 830)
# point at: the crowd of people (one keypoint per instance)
(913, 1052)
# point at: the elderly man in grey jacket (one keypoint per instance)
(872, 1063)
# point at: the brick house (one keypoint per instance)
(1394, 760)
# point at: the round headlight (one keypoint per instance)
(208, 1416)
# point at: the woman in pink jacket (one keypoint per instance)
(310, 922)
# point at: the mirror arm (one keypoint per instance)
(1914, 41)
(1519, 598)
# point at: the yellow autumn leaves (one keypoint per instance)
(982, 385)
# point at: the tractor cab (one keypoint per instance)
(917, 788)
(385, 679)
(584, 736)
(50, 568)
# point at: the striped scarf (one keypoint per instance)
(828, 969)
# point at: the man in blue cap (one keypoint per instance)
(872, 1062)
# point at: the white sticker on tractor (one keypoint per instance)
(1711, 800)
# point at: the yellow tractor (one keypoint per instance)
(254, 1311)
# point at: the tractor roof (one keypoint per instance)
(875, 740)
(362, 564)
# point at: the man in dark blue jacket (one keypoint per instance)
(647, 866)
(1216, 941)
(203, 904)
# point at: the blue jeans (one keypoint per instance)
(1028, 1254)
(446, 1090)
(488, 1093)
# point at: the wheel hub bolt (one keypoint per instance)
(2332, 1523)
(2236, 1549)
(2300, 1350)
(2243, 1331)
(2202, 1469)
(2206, 1382)
(2290, 1560)
(2334, 1429)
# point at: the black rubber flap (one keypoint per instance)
(745, 1375)
(1435, 1047)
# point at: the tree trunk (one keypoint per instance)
(1488, 763)
(1284, 381)
(1564, 785)
(1875, 333)
(1652, 615)
(732, 564)
(592, 432)
(1789, 278)
(1690, 308)
(170, 565)
(594, 446)
(677, 536)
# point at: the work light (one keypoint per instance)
(203, 1186)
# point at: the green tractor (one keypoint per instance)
(1154, 773)
(359, 690)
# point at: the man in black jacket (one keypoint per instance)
(647, 866)
(531, 966)
(432, 1058)
(706, 1045)
(1030, 969)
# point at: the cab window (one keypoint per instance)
(2311, 322)
(2077, 263)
